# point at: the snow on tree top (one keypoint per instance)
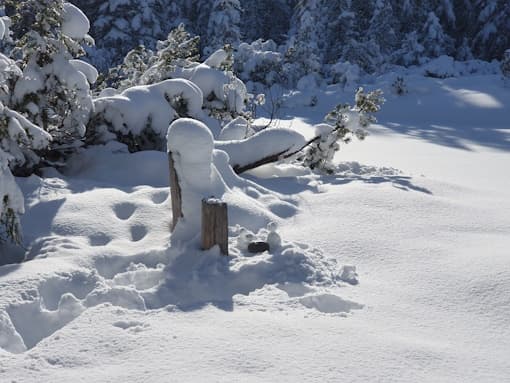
(75, 24)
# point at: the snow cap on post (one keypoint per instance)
(192, 143)
(190, 146)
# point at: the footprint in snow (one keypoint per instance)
(99, 239)
(159, 197)
(138, 232)
(124, 210)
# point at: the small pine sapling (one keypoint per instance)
(342, 124)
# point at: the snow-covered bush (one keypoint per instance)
(441, 67)
(52, 92)
(224, 95)
(140, 115)
(342, 124)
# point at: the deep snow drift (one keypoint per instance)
(421, 209)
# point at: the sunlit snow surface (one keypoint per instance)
(420, 208)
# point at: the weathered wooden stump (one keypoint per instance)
(175, 192)
(214, 224)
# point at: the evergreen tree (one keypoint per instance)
(119, 26)
(339, 26)
(266, 20)
(505, 67)
(51, 91)
(306, 45)
(224, 25)
(434, 39)
(492, 35)
(383, 27)
(19, 139)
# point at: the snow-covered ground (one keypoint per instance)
(421, 209)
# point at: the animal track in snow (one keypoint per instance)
(159, 197)
(138, 232)
(51, 307)
(99, 239)
(124, 210)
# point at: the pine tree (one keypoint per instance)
(505, 67)
(306, 45)
(492, 35)
(434, 39)
(383, 27)
(340, 23)
(121, 26)
(224, 25)
(51, 92)
(19, 139)
(265, 19)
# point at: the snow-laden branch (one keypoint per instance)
(267, 146)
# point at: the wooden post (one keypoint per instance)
(175, 192)
(214, 224)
